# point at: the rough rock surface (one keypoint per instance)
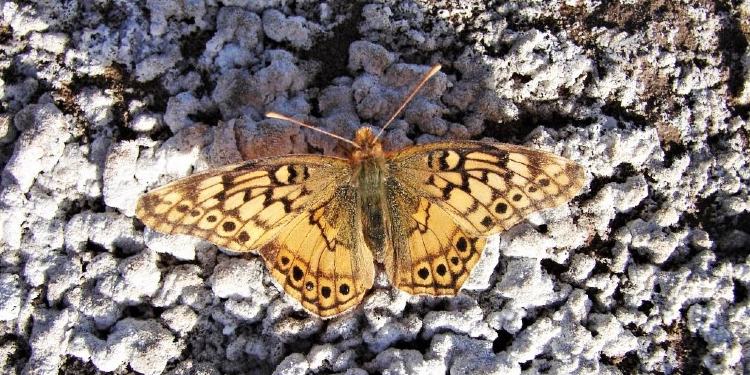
(647, 271)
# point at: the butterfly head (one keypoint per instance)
(369, 146)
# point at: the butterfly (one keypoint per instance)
(322, 224)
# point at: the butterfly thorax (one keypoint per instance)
(368, 162)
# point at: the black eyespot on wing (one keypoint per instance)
(517, 197)
(211, 218)
(423, 273)
(544, 182)
(441, 270)
(297, 273)
(309, 285)
(461, 244)
(284, 261)
(487, 221)
(501, 208)
(454, 260)
(229, 226)
(325, 292)
(243, 236)
(344, 289)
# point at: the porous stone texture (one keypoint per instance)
(646, 271)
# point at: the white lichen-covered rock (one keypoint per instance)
(179, 246)
(237, 38)
(180, 319)
(471, 356)
(238, 278)
(294, 30)
(108, 230)
(645, 271)
(10, 296)
(469, 321)
(294, 364)
(396, 361)
(371, 57)
(526, 282)
(137, 278)
(49, 340)
(97, 105)
(144, 345)
(121, 188)
(44, 133)
(175, 283)
(393, 331)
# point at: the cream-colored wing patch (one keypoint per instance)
(486, 188)
(243, 206)
(320, 258)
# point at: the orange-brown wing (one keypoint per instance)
(320, 258)
(451, 195)
(297, 211)
(431, 253)
(242, 206)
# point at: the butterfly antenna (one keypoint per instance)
(279, 116)
(426, 77)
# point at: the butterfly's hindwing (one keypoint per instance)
(320, 258)
(431, 254)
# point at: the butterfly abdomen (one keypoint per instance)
(370, 183)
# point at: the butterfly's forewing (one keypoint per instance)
(240, 206)
(453, 194)
(296, 210)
